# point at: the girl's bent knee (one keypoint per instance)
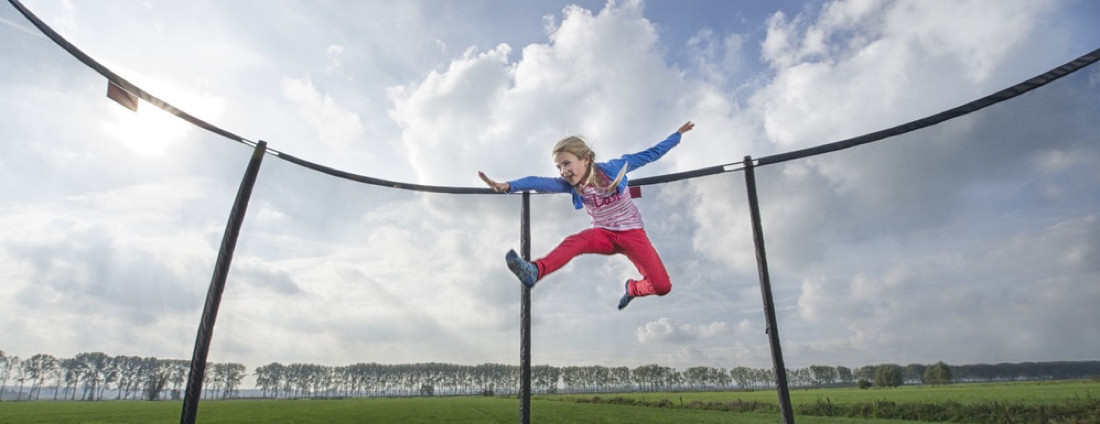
(661, 288)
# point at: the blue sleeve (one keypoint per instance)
(540, 184)
(637, 160)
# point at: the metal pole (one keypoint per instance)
(217, 286)
(525, 317)
(766, 290)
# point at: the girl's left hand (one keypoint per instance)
(686, 127)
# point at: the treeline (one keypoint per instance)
(1063, 370)
(98, 376)
(425, 379)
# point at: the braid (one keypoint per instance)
(592, 180)
(618, 178)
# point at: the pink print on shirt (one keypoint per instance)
(613, 211)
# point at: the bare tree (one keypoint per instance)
(177, 375)
(823, 375)
(36, 369)
(5, 370)
(268, 378)
(94, 368)
(128, 369)
(232, 375)
(20, 375)
(58, 375)
(844, 374)
(74, 372)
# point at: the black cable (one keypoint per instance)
(378, 181)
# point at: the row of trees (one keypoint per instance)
(1061, 370)
(96, 376)
(99, 376)
(373, 379)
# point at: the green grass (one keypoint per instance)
(472, 410)
(469, 410)
(1028, 393)
(545, 409)
(1062, 402)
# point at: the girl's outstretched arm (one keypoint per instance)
(497, 187)
(637, 160)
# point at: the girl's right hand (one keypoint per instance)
(497, 187)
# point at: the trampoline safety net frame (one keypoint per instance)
(237, 214)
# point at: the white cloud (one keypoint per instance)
(66, 18)
(828, 87)
(335, 53)
(665, 330)
(488, 112)
(970, 298)
(973, 34)
(451, 111)
(334, 125)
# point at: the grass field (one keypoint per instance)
(545, 409)
(472, 410)
(1030, 393)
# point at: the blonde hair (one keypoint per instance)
(580, 149)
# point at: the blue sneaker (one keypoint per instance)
(527, 272)
(625, 300)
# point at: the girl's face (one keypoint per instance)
(571, 167)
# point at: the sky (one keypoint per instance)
(974, 241)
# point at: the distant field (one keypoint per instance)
(1032, 393)
(545, 409)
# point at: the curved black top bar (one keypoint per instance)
(122, 82)
(380, 182)
(659, 179)
(994, 98)
(975, 105)
(668, 178)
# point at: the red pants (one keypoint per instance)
(632, 243)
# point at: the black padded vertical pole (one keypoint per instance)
(217, 286)
(766, 290)
(525, 316)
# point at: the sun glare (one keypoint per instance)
(151, 132)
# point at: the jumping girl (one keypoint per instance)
(601, 189)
